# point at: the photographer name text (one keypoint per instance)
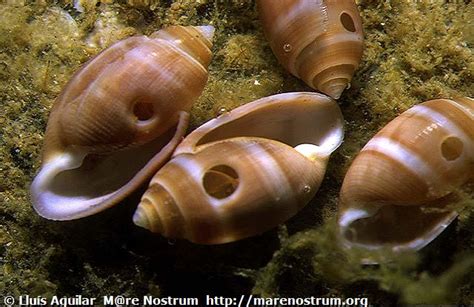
(208, 300)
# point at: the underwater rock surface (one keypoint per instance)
(414, 51)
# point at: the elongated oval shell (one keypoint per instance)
(318, 41)
(244, 172)
(118, 120)
(397, 191)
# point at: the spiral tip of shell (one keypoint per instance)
(142, 215)
(206, 31)
(334, 89)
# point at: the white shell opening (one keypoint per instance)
(74, 185)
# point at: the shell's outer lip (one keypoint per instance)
(430, 236)
(351, 215)
(65, 207)
(332, 140)
(40, 195)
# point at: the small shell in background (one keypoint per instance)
(397, 191)
(318, 41)
(119, 119)
(245, 171)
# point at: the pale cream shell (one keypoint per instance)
(271, 154)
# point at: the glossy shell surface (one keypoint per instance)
(119, 119)
(244, 172)
(318, 41)
(398, 190)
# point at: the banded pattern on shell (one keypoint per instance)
(118, 120)
(398, 189)
(244, 172)
(127, 94)
(318, 41)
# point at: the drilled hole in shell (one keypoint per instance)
(347, 22)
(220, 181)
(451, 148)
(143, 111)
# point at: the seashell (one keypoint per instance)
(119, 119)
(397, 191)
(317, 41)
(245, 171)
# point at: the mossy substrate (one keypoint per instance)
(414, 51)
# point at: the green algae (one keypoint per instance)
(414, 51)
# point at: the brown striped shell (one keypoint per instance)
(244, 172)
(398, 189)
(318, 41)
(118, 120)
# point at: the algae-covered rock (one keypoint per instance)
(414, 51)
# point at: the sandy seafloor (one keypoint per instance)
(414, 51)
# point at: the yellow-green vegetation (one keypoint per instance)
(414, 51)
